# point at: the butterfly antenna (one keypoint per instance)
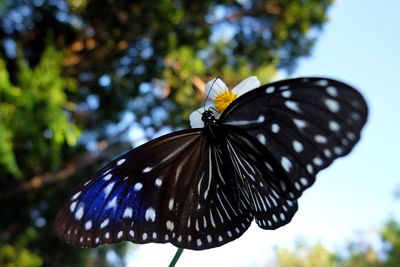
(204, 106)
(213, 109)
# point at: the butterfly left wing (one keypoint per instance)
(301, 125)
(168, 190)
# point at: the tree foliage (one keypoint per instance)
(79, 78)
(355, 254)
(305, 256)
(33, 116)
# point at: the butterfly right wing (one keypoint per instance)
(254, 168)
(304, 123)
(284, 133)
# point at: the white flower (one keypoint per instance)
(220, 97)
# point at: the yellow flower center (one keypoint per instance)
(223, 100)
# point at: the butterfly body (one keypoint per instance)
(201, 188)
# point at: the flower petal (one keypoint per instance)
(216, 86)
(246, 85)
(195, 118)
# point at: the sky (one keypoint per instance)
(354, 197)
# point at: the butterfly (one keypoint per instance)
(250, 156)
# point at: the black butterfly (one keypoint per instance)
(201, 188)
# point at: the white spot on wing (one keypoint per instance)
(270, 90)
(120, 234)
(88, 225)
(327, 153)
(113, 203)
(108, 189)
(259, 120)
(137, 187)
(355, 116)
(147, 169)
(332, 91)
(318, 161)
(127, 213)
(75, 196)
(119, 162)
(104, 223)
(292, 105)
(298, 147)
(158, 182)
(320, 139)
(262, 139)
(334, 126)
(275, 128)
(171, 203)
(170, 225)
(322, 82)
(303, 181)
(338, 150)
(72, 206)
(310, 168)
(351, 136)
(332, 105)
(79, 212)
(150, 214)
(107, 171)
(107, 177)
(299, 123)
(287, 93)
(87, 182)
(286, 164)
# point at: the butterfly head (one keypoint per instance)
(208, 117)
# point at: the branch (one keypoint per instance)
(196, 80)
(199, 84)
(269, 8)
(81, 161)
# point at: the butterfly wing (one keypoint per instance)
(168, 190)
(300, 126)
(253, 167)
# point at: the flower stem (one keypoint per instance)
(176, 257)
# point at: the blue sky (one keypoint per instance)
(361, 46)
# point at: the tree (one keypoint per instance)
(390, 235)
(78, 77)
(356, 253)
(304, 255)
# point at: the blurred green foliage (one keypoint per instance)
(34, 124)
(305, 256)
(355, 254)
(17, 254)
